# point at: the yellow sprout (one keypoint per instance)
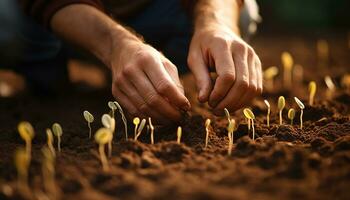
(298, 74)
(102, 137)
(312, 92)
(268, 112)
(207, 126)
(139, 130)
(269, 74)
(22, 161)
(281, 104)
(89, 118)
(26, 131)
(291, 115)
(227, 113)
(288, 63)
(302, 107)
(329, 83)
(323, 52)
(48, 171)
(179, 134)
(230, 129)
(57, 131)
(121, 112)
(50, 141)
(136, 122)
(250, 116)
(109, 122)
(152, 130)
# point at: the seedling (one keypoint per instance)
(139, 130)
(136, 122)
(152, 130)
(302, 107)
(26, 131)
(269, 75)
(109, 122)
(89, 118)
(57, 131)
(250, 116)
(288, 63)
(323, 52)
(179, 134)
(48, 170)
(227, 113)
(268, 112)
(121, 112)
(230, 128)
(291, 115)
(207, 126)
(50, 141)
(22, 161)
(102, 137)
(329, 83)
(312, 92)
(113, 107)
(281, 104)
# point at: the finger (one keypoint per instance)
(201, 75)
(225, 70)
(259, 74)
(173, 72)
(241, 84)
(164, 85)
(160, 107)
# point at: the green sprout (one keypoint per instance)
(152, 130)
(179, 134)
(26, 131)
(248, 113)
(109, 123)
(139, 130)
(102, 137)
(50, 141)
(22, 161)
(207, 126)
(230, 129)
(121, 112)
(302, 107)
(291, 115)
(89, 118)
(57, 131)
(136, 122)
(288, 63)
(312, 92)
(268, 112)
(281, 104)
(269, 75)
(48, 171)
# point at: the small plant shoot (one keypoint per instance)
(230, 129)
(302, 107)
(136, 122)
(329, 83)
(89, 118)
(287, 61)
(281, 104)
(102, 137)
(269, 75)
(291, 115)
(227, 113)
(113, 107)
(50, 141)
(109, 122)
(152, 129)
(141, 127)
(26, 131)
(22, 161)
(312, 92)
(121, 112)
(207, 127)
(248, 113)
(268, 112)
(57, 131)
(48, 171)
(179, 134)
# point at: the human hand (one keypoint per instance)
(238, 68)
(147, 84)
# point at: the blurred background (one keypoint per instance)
(293, 25)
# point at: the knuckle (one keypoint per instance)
(163, 86)
(229, 77)
(243, 85)
(128, 70)
(240, 46)
(250, 50)
(143, 57)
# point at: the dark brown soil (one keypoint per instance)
(284, 162)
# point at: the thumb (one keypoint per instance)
(200, 72)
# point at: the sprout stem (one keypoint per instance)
(179, 134)
(253, 129)
(59, 144)
(268, 117)
(301, 118)
(103, 157)
(280, 113)
(89, 130)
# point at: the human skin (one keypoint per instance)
(145, 82)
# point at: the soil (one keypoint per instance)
(284, 161)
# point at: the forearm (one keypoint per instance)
(217, 12)
(91, 29)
